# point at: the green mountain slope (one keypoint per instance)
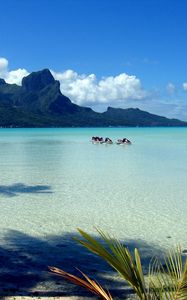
(40, 103)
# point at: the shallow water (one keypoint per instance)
(55, 180)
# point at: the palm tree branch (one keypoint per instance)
(88, 284)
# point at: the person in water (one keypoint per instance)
(97, 139)
(126, 141)
(107, 140)
(123, 141)
(101, 140)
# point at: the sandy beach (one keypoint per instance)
(24, 268)
(51, 298)
(130, 297)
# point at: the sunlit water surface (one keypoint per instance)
(55, 180)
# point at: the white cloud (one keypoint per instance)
(82, 88)
(85, 89)
(3, 66)
(14, 76)
(122, 90)
(170, 88)
(184, 86)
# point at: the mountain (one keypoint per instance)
(38, 102)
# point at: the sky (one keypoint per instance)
(119, 53)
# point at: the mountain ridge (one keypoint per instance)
(38, 102)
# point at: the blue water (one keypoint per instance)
(55, 180)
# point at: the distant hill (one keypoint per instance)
(40, 103)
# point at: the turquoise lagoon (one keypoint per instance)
(55, 180)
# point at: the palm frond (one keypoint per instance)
(169, 282)
(88, 284)
(119, 258)
(166, 281)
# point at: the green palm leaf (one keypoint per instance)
(165, 282)
(170, 282)
(119, 258)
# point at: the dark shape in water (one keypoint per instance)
(20, 188)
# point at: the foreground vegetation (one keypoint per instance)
(166, 280)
